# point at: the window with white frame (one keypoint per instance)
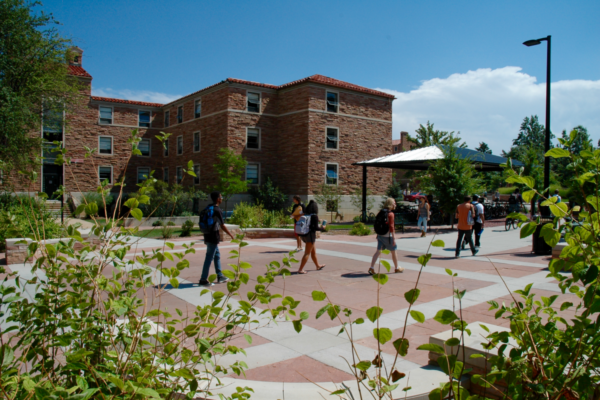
(166, 148)
(106, 115)
(197, 172)
(253, 102)
(179, 114)
(143, 174)
(332, 139)
(332, 102)
(144, 147)
(179, 145)
(253, 173)
(167, 117)
(105, 173)
(253, 138)
(166, 174)
(196, 142)
(144, 119)
(197, 108)
(331, 174)
(179, 177)
(105, 145)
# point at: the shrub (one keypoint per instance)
(359, 229)
(158, 223)
(255, 216)
(186, 228)
(170, 200)
(269, 195)
(93, 197)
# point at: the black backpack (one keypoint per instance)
(381, 223)
(512, 199)
(207, 220)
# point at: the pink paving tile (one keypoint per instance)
(299, 369)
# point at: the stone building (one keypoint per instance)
(301, 134)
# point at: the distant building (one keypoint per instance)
(398, 146)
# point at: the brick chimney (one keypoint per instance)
(77, 55)
(404, 141)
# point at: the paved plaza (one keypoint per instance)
(284, 364)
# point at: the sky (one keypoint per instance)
(460, 65)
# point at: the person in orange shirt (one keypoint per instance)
(465, 214)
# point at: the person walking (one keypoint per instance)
(497, 196)
(386, 235)
(312, 211)
(423, 215)
(557, 195)
(297, 212)
(479, 220)
(212, 239)
(465, 214)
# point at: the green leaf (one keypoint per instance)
(137, 214)
(528, 195)
(431, 347)
(248, 338)
(91, 209)
(174, 282)
(417, 316)
(131, 203)
(438, 243)
(386, 265)
(412, 295)
(381, 278)
(559, 210)
(449, 271)
(452, 342)
(304, 315)
(565, 305)
(373, 313)
(297, 325)
(318, 296)
(557, 152)
(383, 335)
(229, 274)
(245, 265)
(445, 317)
(528, 229)
(401, 346)
(424, 259)
(363, 365)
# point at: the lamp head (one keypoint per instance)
(533, 42)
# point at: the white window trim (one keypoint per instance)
(167, 121)
(259, 101)
(259, 137)
(168, 147)
(177, 146)
(199, 141)
(150, 111)
(200, 100)
(112, 176)
(137, 177)
(149, 147)
(258, 173)
(112, 145)
(182, 111)
(197, 174)
(112, 113)
(338, 101)
(177, 169)
(338, 138)
(166, 169)
(338, 173)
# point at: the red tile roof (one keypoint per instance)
(396, 142)
(337, 83)
(78, 71)
(132, 102)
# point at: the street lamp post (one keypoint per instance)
(530, 43)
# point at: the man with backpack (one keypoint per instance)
(465, 214)
(515, 201)
(211, 220)
(479, 220)
(386, 235)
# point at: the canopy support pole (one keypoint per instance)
(364, 195)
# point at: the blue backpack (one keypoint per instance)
(207, 219)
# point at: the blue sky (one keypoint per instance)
(459, 64)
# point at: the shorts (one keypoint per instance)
(385, 243)
(310, 237)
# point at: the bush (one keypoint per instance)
(269, 195)
(186, 228)
(170, 200)
(93, 197)
(255, 216)
(158, 223)
(360, 229)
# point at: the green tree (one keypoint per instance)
(450, 179)
(427, 136)
(531, 135)
(581, 141)
(329, 196)
(33, 78)
(269, 195)
(484, 148)
(230, 174)
(356, 199)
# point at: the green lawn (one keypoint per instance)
(157, 233)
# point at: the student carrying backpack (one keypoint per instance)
(381, 225)
(386, 236)
(207, 220)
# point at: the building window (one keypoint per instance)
(395, 148)
(144, 119)
(252, 174)
(331, 174)
(179, 174)
(106, 115)
(332, 139)
(332, 102)
(196, 142)
(166, 148)
(143, 174)
(253, 138)
(197, 172)
(179, 114)
(105, 173)
(105, 145)
(144, 147)
(179, 145)
(197, 108)
(167, 117)
(253, 102)
(166, 174)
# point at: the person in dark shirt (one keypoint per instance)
(212, 240)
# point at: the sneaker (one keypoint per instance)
(457, 256)
(205, 283)
(476, 251)
(222, 279)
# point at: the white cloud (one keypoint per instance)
(139, 95)
(489, 105)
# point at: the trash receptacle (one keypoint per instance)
(539, 245)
